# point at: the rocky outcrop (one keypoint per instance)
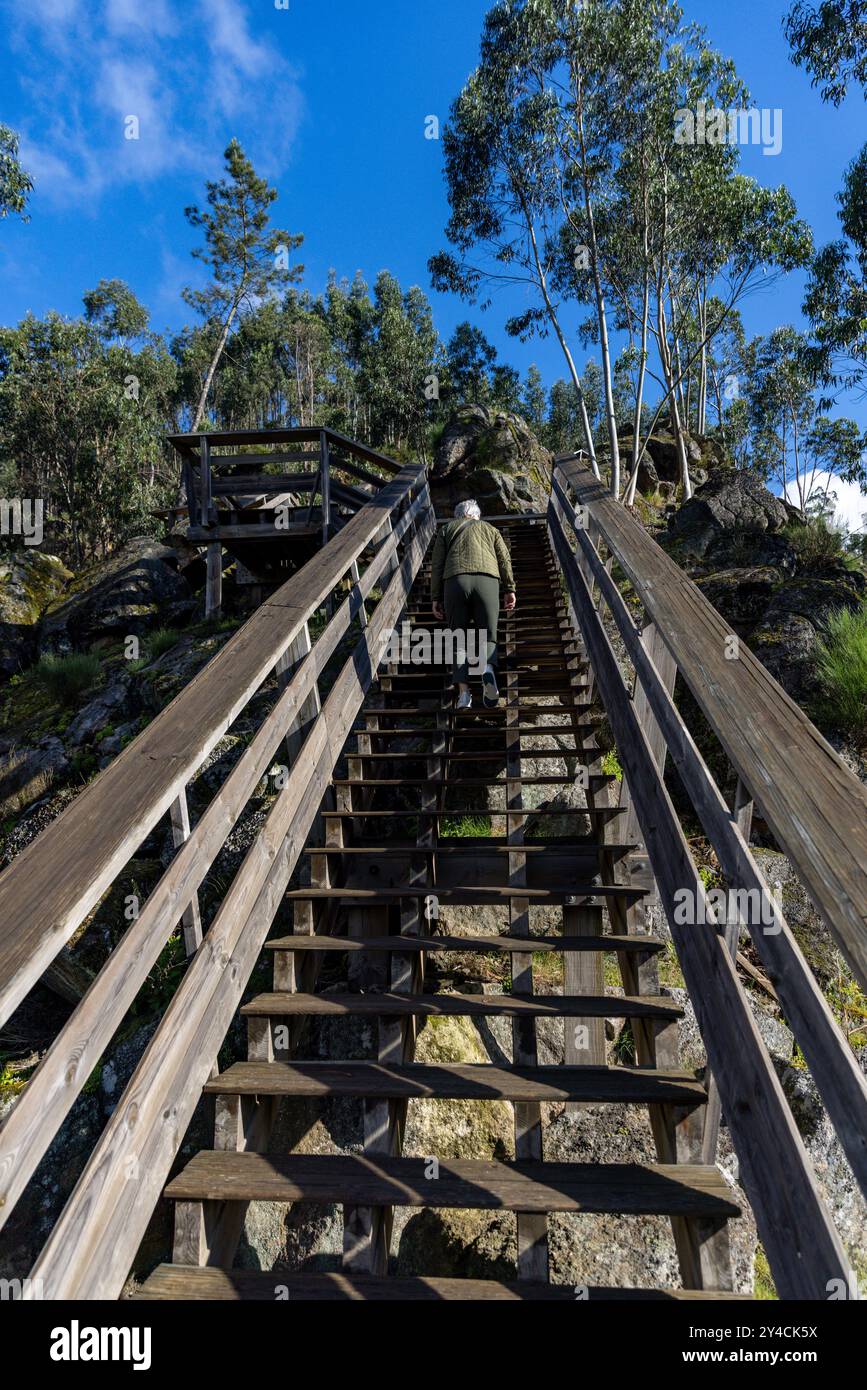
(785, 639)
(729, 506)
(492, 456)
(138, 588)
(732, 537)
(29, 582)
(661, 463)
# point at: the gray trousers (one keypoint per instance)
(472, 603)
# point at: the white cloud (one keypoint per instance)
(154, 16)
(851, 502)
(193, 75)
(225, 25)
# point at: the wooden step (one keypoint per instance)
(605, 813)
(455, 845)
(595, 782)
(477, 1081)
(635, 1189)
(207, 1284)
(285, 1005)
(411, 944)
(498, 755)
(431, 731)
(588, 895)
(477, 711)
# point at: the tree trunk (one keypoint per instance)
(629, 499)
(203, 398)
(676, 425)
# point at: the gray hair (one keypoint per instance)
(469, 508)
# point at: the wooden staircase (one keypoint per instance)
(418, 763)
(357, 889)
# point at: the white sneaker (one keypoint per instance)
(465, 700)
(490, 687)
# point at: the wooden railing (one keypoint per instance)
(53, 886)
(218, 478)
(817, 811)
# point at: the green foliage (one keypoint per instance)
(11, 1083)
(830, 41)
(815, 541)
(610, 764)
(452, 827)
(67, 677)
(842, 666)
(15, 182)
(247, 258)
(763, 1280)
(162, 641)
(83, 414)
(836, 294)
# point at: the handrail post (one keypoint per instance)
(191, 919)
(205, 499)
(325, 476)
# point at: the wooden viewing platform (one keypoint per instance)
(378, 761)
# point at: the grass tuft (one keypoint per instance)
(66, 677)
(842, 664)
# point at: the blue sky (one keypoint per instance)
(330, 102)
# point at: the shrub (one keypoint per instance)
(65, 677)
(815, 542)
(161, 641)
(842, 663)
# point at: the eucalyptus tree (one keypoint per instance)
(349, 315)
(836, 295)
(534, 399)
(726, 367)
(792, 440)
(82, 416)
(506, 387)
(247, 258)
(830, 41)
(563, 426)
(15, 183)
(506, 214)
(711, 235)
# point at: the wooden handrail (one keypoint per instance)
(186, 443)
(815, 807)
(52, 886)
(803, 1248)
(400, 516)
(831, 1060)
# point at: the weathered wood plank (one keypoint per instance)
(93, 1243)
(836, 1071)
(803, 1247)
(474, 1081)
(174, 1282)
(467, 1005)
(75, 1052)
(49, 889)
(623, 1188)
(815, 807)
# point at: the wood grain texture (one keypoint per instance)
(815, 807)
(482, 1184)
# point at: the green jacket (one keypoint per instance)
(466, 546)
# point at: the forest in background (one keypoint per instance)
(571, 173)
